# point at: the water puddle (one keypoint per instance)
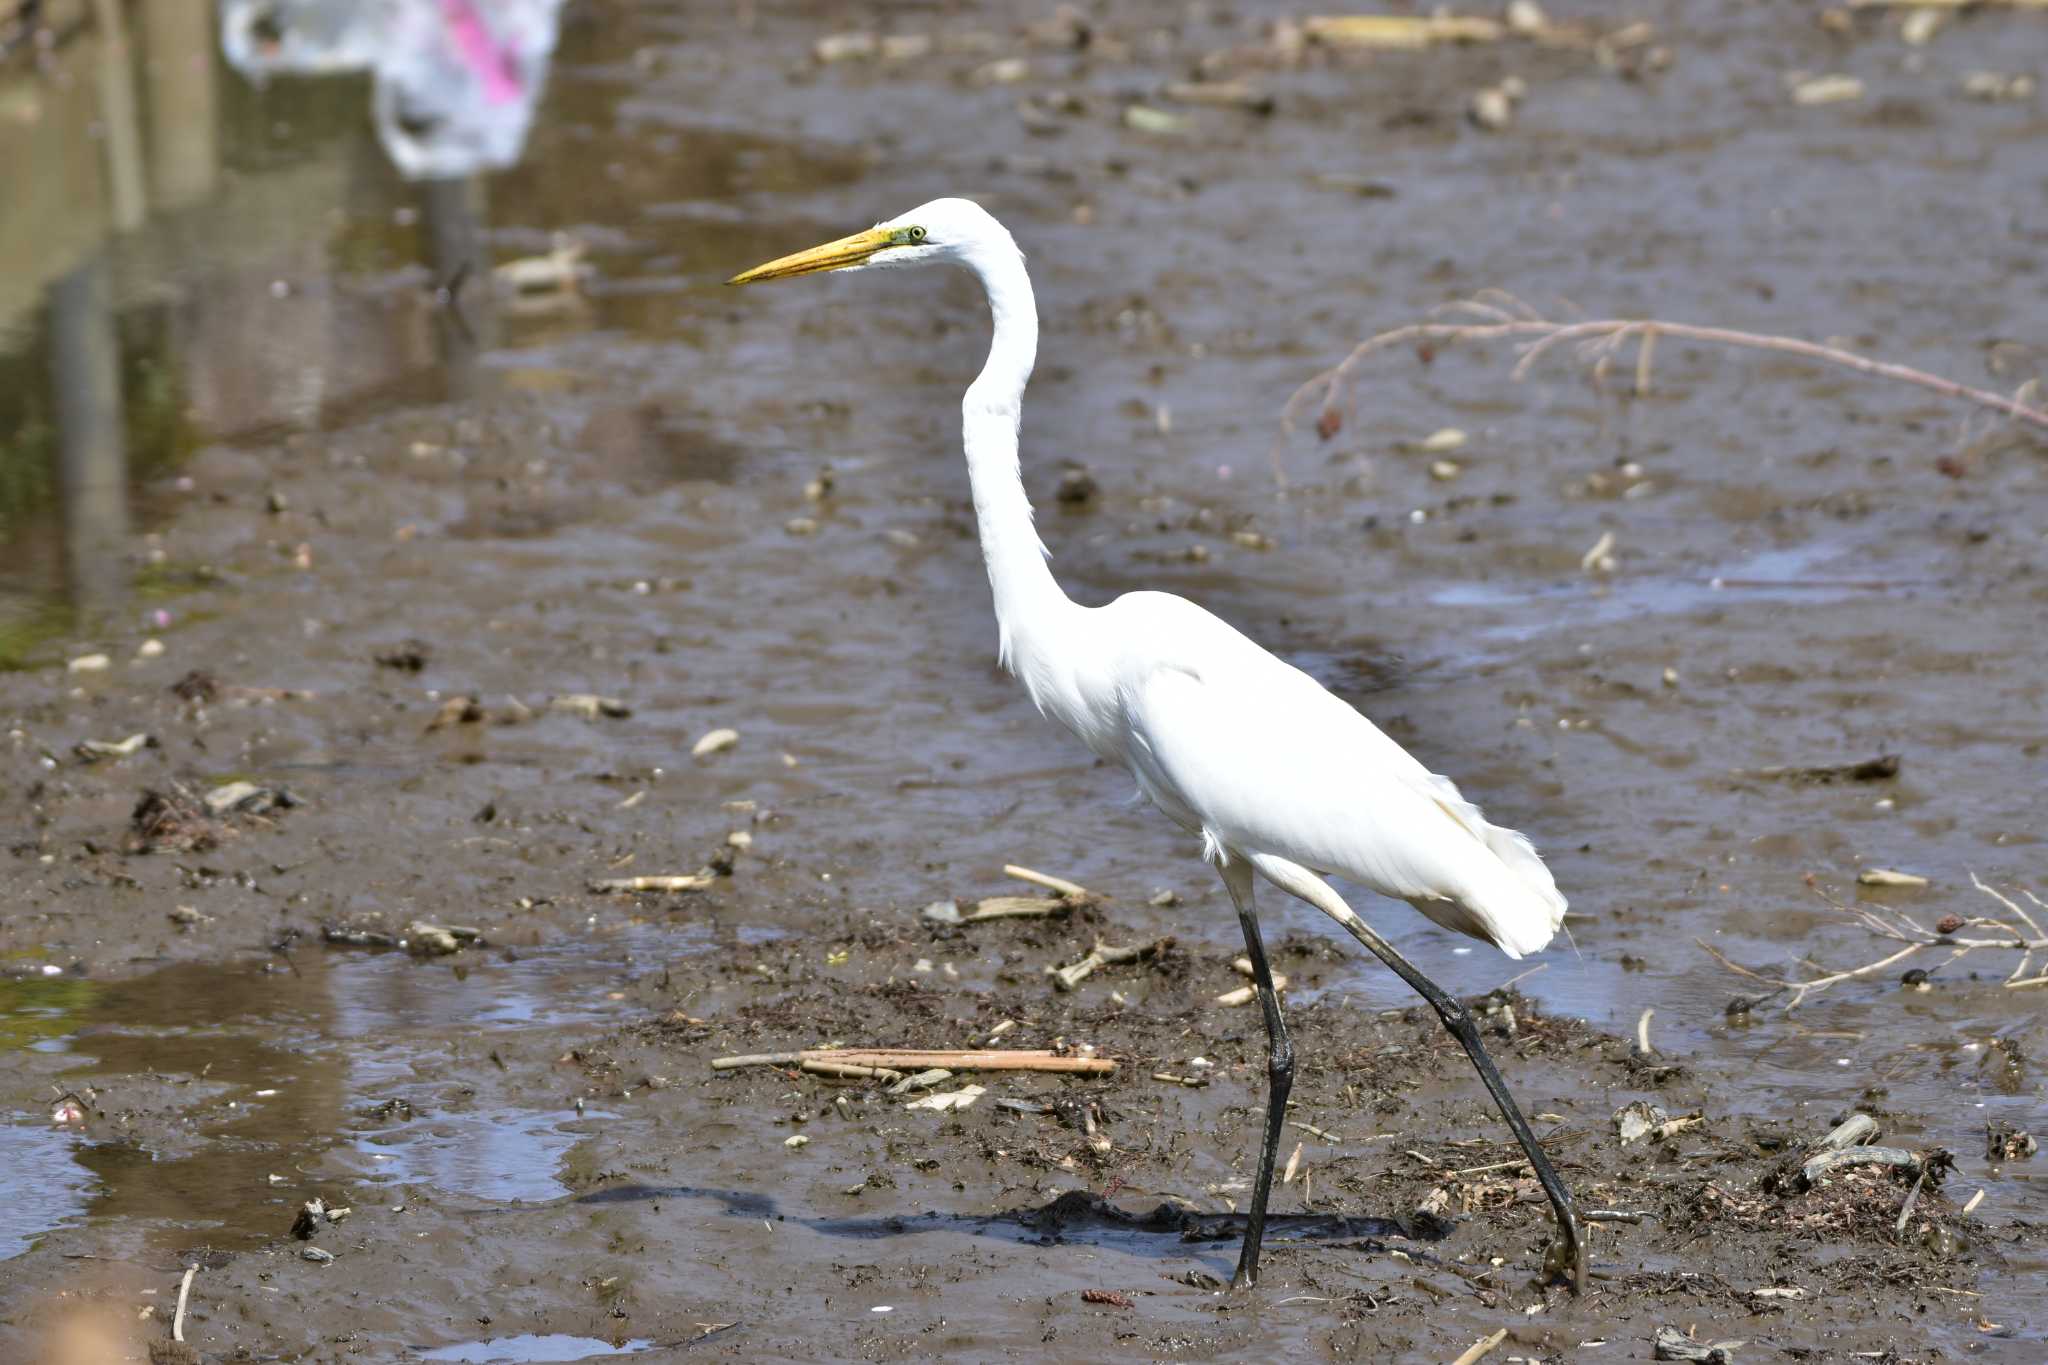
(551, 1346)
(500, 1154)
(223, 1096)
(1534, 609)
(299, 238)
(46, 1187)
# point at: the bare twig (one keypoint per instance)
(696, 881)
(918, 1059)
(1058, 885)
(1899, 927)
(1597, 340)
(184, 1293)
(1477, 1350)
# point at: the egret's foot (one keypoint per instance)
(1566, 1256)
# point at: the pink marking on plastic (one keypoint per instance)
(492, 62)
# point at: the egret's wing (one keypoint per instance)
(1268, 761)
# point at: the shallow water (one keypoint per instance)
(310, 429)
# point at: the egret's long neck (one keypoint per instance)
(1026, 596)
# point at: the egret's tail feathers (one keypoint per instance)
(1536, 919)
(1506, 896)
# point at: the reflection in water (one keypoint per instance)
(45, 1187)
(178, 304)
(92, 446)
(244, 1089)
(454, 82)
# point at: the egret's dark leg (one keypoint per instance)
(1237, 876)
(1570, 1253)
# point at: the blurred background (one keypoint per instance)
(374, 429)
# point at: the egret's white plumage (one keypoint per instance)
(1274, 772)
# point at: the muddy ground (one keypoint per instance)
(376, 544)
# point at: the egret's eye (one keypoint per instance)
(909, 236)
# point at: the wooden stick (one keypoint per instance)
(1056, 884)
(1478, 1349)
(915, 1059)
(1016, 907)
(693, 882)
(184, 1293)
(849, 1070)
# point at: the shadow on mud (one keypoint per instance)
(1075, 1216)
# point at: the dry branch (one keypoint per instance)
(1499, 316)
(1899, 927)
(846, 1060)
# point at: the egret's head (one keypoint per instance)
(943, 230)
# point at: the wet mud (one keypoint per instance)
(456, 580)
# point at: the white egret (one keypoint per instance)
(1277, 776)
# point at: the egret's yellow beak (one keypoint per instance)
(837, 255)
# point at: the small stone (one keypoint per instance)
(317, 1256)
(1444, 438)
(796, 1142)
(1492, 108)
(150, 649)
(1833, 89)
(590, 706)
(89, 663)
(714, 742)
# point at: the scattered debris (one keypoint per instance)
(1880, 769)
(93, 750)
(312, 1216)
(1899, 927)
(1493, 107)
(1672, 1344)
(173, 819)
(917, 1059)
(1400, 32)
(950, 1101)
(1884, 876)
(428, 940)
(196, 686)
(1641, 1119)
(1143, 118)
(998, 907)
(590, 706)
(246, 798)
(714, 742)
(1229, 94)
(1076, 488)
(1998, 86)
(184, 1296)
(1479, 1349)
(1829, 89)
(462, 710)
(1102, 955)
(560, 271)
(407, 656)
(2004, 1142)
(694, 881)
